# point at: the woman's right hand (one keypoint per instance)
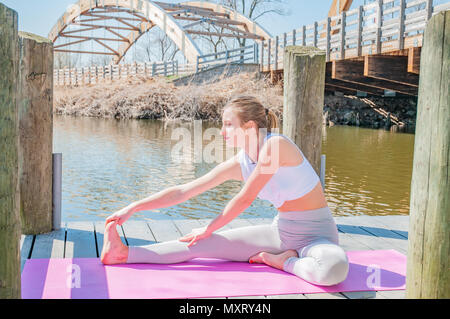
(121, 216)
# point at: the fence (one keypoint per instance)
(109, 73)
(380, 26)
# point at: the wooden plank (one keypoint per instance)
(247, 297)
(88, 52)
(10, 231)
(359, 31)
(392, 294)
(397, 224)
(379, 22)
(286, 296)
(137, 233)
(364, 237)
(429, 242)
(330, 88)
(340, 85)
(414, 60)
(361, 295)
(35, 103)
(373, 226)
(204, 221)
(164, 230)
(401, 28)
(50, 245)
(350, 88)
(80, 240)
(333, 295)
(305, 68)
(352, 70)
(390, 68)
(244, 35)
(185, 226)
(348, 243)
(26, 242)
(370, 225)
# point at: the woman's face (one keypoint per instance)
(232, 132)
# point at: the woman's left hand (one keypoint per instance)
(195, 235)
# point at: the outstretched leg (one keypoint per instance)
(237, 244)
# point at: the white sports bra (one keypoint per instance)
(288, 183)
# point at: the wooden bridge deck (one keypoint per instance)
(85, 240)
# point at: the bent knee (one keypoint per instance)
(336, 274)
(333, 271)
(334, 267)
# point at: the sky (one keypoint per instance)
(39, 16)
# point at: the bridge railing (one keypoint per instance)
(247, 54)
(377, 27)
(108, 73)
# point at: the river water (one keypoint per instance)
(109, 163)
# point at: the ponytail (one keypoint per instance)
(272, 121)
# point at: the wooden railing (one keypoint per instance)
(247, 54)
(99, 74)
(108, 73)
(378, 27)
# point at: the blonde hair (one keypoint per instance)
(249, 108)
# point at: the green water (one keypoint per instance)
(108, 163)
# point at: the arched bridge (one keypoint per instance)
(125, 21)
(373, 49)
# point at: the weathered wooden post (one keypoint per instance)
(304, 87)
(9, 148)
(428, 274)
(35, 102)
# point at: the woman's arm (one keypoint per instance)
(266, 167)
(174, 195)
(165, 198)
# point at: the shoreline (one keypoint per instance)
(159, 99)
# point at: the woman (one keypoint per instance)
(303, 237)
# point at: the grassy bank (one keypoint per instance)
(160, 99)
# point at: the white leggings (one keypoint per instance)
(312, 233)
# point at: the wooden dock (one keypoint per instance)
(85, 240)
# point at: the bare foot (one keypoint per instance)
(114, 251)
(273, 260)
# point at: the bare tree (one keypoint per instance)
(63, 60)
(216, 42)
(255, 9)
(101, 60)
(157, 46)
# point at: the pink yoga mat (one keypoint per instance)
(88, 278)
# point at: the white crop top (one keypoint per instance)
(288, 183)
